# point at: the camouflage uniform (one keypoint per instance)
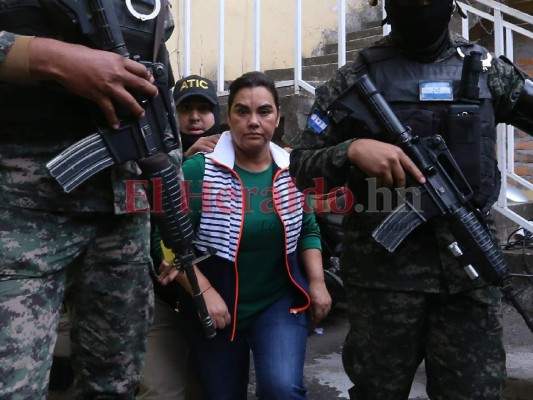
(416, 303)
(86, 240)
(6, 40)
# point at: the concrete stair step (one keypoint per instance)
(320, 68)
(355, 44)
(329, 58)
(362, 33)
(320, 72)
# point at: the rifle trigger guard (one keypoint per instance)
(144, 17)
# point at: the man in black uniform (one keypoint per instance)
(416, 303)
(55, 90)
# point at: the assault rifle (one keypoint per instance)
(142, 140)
(474, 247)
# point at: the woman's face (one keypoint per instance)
(252, 119)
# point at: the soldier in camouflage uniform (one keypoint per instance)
(416, 303)
(52, 94)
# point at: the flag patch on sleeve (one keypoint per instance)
(318, 121)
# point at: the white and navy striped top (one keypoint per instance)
(222, 201)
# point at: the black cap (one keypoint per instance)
(194, 85)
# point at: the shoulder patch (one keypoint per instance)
(318, 121)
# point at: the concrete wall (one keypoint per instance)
(319, 25)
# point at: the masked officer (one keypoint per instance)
(416, 303)
(55, 90)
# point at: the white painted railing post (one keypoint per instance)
(186, 37)
(465, 27)
(501, 144)
(386, 27)
(509, 129)
(257, 35)
(221, 30)
(297, 45)
(499, 47)
(341, 33)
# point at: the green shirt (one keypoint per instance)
(263, 276)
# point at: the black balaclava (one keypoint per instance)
(420, 27)
(188, 140)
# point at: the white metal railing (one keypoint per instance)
(298, 64)
(504, 31)
(257, 35)
(221, 30)
(186, 37)
(297, 81)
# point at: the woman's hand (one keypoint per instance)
(320, 298)
(217, 308)
(320, 301)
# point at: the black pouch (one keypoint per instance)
(464, 142)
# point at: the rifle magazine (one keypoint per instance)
(395, 228)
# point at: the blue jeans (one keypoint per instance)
(277, 340)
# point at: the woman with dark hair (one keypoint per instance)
(266, 278)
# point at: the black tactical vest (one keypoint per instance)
(52, 109)
(470, 138)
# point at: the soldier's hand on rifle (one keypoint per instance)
(100, 76)
(386, 162)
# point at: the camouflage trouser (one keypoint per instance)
(110, 292)
(459, 337)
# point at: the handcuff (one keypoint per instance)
(144, 17)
